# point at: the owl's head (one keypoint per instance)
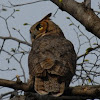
(45, 27)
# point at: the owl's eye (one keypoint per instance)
(39, 27)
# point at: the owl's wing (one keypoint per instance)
(53, 55)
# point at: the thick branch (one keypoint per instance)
(92, 91)
(14, 85)
(84, 15)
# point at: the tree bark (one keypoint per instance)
(85, 16)
(87, 3)
(14, 85)
(77, 92)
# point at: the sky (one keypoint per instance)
(31, 14)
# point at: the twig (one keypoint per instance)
(18, 62)
(25, 3)
(2, 45)
(15, 39)
(6, 19)
(56, 12)
(5, 94)
(88, 52)
(8, 69)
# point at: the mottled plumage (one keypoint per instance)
(52, 59)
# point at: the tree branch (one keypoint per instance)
(15, 39)
(12, 5)
(14, 85)
(84, 15)
(97, 47)
(92, 91)
(5, 94)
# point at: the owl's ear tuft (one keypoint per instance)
(47, 16)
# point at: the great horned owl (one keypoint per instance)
(52, 59)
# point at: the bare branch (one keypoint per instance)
(15, 39)
(8, 69)
(88, 51)
(18, 62)
(6, 21)
(5, 94)
(12, 5)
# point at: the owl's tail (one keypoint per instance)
(39, 86)
(53, 86)
(61, 90)
(50, 86)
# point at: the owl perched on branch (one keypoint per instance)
(52, 59)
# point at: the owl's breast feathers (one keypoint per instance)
(52, 63)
